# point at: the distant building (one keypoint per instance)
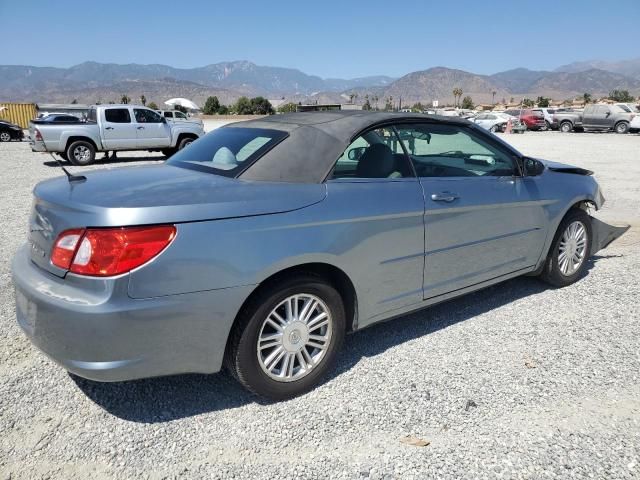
(318, 107)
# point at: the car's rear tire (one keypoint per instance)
(566, 127)
(622, 127)
(494, 129)
(81, 153)
(570, 250)
(5, 137)
(287, 337)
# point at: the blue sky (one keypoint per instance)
(326, 38)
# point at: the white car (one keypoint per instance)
(634, 126)
(177, 116)
(493, 121)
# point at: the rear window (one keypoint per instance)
(117, 115)
(227, 151)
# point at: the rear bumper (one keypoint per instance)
(93, 329)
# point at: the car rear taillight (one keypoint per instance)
(38, 135)
(104, 252)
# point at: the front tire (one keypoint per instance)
(5, 137)
(570, 250)
(185, 142)
(81, 153)
(287, 337)
(494, 129)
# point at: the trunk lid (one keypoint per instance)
(152, 194)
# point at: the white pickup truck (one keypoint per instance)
(112, 128)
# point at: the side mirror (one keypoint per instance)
(532, 167)
(356, 153)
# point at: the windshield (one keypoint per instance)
(227, 150)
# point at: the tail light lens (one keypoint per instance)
(38, 135)
(104, 252)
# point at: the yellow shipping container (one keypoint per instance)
(18, 113)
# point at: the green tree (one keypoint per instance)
(621, 96)
(261, 106)
(242, 106)
(418, 108)
(366, 105)
(288, 107)
(527, 103)
(125, 99)
(180, 108)
(223, 110)
(143, 99)
(467, 103)
(543, 102)
(153, 106)
(211, 106)
(74, 101)
(586, 98)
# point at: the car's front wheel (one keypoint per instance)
(287, 337)
(567, 259)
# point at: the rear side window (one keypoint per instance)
(146, 116)
(117, 115)
(227, 151)
(168, 115)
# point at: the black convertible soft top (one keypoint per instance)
(316, 140)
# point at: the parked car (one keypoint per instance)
(112, 128)
(634, 126)
(534, 120)
(606, 117)
(547, 113)
(10, 131)
(497, 122)
(255, 248)
(567, 121)
(59, 118)
(177, 116)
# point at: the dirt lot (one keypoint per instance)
(516, 381)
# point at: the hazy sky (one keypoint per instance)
(326, 37)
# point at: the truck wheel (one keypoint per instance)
(569, 252)
(622, 127)
(287, 337)
(81, 153)
(185, 142)
(566, 127)
(494, 129)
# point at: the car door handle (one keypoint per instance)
(444, 197)
(108, 128)
(140, 128)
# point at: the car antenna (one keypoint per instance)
(70, 176)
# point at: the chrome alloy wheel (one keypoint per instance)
(572, 249)
(82, 154)
(294, 337)
(5, 137)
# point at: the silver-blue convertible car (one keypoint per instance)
(261, 244)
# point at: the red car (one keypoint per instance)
(534, 120)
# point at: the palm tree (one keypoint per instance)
(457, 95)
(493, 100)
(125, 99)
(143, 99)
(351, 95)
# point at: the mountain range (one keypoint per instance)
(91, 82)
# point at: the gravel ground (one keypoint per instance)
(517, 381)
